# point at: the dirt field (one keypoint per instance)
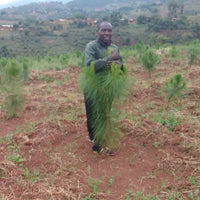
(45, 153)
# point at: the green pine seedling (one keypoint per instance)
(174, 88)
(149, 59)
(193, 53)
(3, 63)
(11, 86)
(105, 90)
(173, 52)
(25, 70)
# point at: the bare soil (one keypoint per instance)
(45, 152)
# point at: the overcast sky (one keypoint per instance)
(10, 3)
(6, 1)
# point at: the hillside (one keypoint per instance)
(102, 4)
(38, 28)
(37, 11)
(55, 10)
(22, 2)
(67, 9)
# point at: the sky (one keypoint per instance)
(10, 3)
(2, 2)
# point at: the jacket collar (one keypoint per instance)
(102, 43)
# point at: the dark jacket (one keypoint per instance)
(98, 52)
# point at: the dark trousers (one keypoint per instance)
(89, 114)
(88, 108)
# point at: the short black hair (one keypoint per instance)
(103, 22)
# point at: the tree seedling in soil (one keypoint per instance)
(111, 181)
(25, 69)
(156, 144)
(170, 121)
(193, 53)
(11, 84)
(94, 184)
(31, 176)
(89, 197)
(192, 180)
(149, 60)
(173, 52)
(194, 195)
(132, 159)
(18, 159)
(174, 88)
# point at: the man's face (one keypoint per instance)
(105, 32)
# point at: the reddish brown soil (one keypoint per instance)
(58, 163)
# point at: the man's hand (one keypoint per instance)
(114, 61)
(115, 54)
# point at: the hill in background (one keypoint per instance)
(17, 3)
(68, 9)
(36, 28)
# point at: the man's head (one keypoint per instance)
(104, 32)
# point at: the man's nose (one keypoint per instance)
(107, 32)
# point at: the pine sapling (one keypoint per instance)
(174, 88)
(25, 70)
(193, 55)
(149, 59)
(173, 52)
(11, 86)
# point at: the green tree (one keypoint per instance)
(4, 51)
(173, 7)
(115, 18)
(142, 19)
(15, 27)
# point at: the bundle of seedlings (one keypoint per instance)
(106, 90)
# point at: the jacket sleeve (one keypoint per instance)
(91, 56)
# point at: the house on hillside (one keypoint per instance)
(60, 20)
(6, 27)
(93, 22)
(63, 21)
(175, 19)
(132, 21)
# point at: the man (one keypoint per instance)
(98, 51)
